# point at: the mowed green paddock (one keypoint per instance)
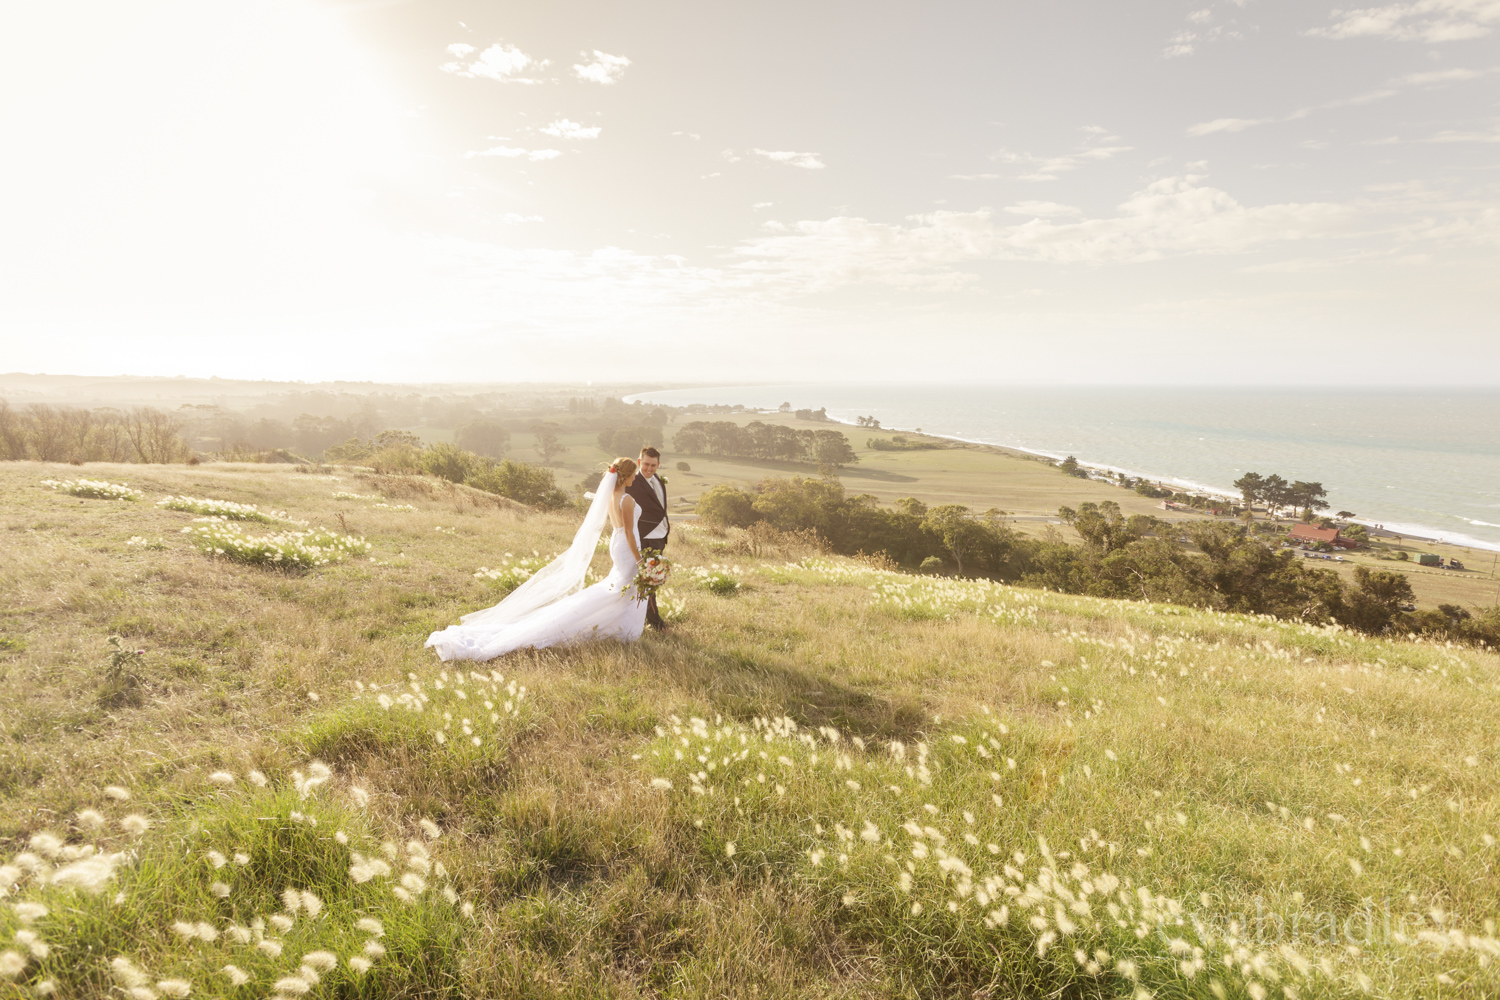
(1188, 804)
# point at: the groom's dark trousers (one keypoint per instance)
(653, 513)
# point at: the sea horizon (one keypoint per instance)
(1417, 461)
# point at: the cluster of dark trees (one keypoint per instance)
(898, 442)
(71, 434)
(727, 439)
(1217, 565)
(1276, 494)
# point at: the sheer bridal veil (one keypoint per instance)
(562, 576)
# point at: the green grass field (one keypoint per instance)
(830, 781)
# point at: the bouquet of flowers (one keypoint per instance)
(654, 571)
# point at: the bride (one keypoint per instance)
(553, 608)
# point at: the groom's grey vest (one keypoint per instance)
(652, 512)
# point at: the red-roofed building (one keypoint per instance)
(1309, 533)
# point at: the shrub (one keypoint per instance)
(932, 564)
(684, 467)
(716, 579)
(95, 489)
(512, 572)
(226, 509)
(726, 507)
(448, 461)
(521, 482)
(293, 549)
(629, 440)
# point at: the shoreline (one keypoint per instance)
(1404, 530)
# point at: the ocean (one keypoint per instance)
(1419, 462)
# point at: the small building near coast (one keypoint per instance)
(1308, 534)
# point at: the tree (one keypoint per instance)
(1344, 515)
(1310, 497)
(628, 441)
(484, 437)
(1104, 526)
(833, 448)
(1378, 599)
(960, 534)
(912, 506)
(1071, 467)
(784, 408)
(548, 444)
(1252, 487)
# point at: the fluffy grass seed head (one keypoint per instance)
(175, 987)
(237, 976)
(135, 824)
(117, 793)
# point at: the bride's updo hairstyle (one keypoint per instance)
(624, 468)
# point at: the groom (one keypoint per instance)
(650, 494)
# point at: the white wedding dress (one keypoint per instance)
(553, 608)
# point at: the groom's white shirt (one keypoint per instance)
(660, 531)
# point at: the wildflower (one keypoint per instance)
(27, 912)
(849, 899)
(117, 793)
(175, 987)
(221, 778)
(135, 824)
(241, 858)
(370, 926)
(126, 973)
(729, 849)
(216, 859)
(237, 976)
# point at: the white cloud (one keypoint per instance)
(500, 62)
(1041, 209)
(1172, 217)
(605, 68)
(514, 152)
(807, 161)
(762, 204)
(690, 135)
(1421, 21)
(975, 177)
(1390, 89)
(1227, 125)
(1186, 41)
(1046, 168)
(565, 129)
(511, 218)
(1456, 136)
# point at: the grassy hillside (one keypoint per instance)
(833, 781)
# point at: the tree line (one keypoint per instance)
(726, 439)
(1222, 566)
(72, 434)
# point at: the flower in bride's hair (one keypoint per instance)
(613, 468)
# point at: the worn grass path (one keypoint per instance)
(836, 781)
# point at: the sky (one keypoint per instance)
(1216, 191)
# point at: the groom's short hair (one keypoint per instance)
(648, 450)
